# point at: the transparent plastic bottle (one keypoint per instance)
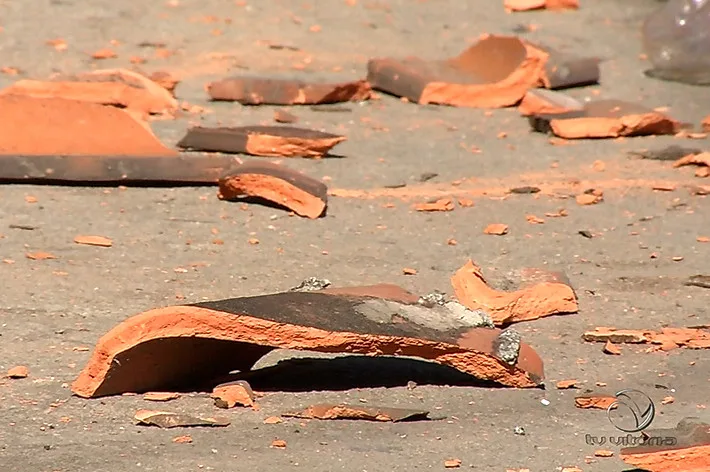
(676, 39)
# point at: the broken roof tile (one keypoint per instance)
(548, 295)
(299, 193)
(183, 346)
(269, 141)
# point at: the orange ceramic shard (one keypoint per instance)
(665, 339)
(56, 126)
(493, 73)
(443, 204)
(181, 347)
(685, 448)
(117, 87)
(701, 159)
(269, 141)
(527, 5)
(286, 187)
(233, 394)
(595, 401)
(540, 299)
(358, 412)
(605, 119)
(706, 123)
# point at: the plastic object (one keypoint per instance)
(676, 39)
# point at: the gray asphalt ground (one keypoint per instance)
(52, 311)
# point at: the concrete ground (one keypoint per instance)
(52, 312)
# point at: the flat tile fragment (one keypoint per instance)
(166, 419)
(274, 91)
(268, 141)
(117, 87)
(528, 5)
(549, 296)
(605, 119)
(18, 372)
(665, 340)
(327, 411)
(60, 127)
(543, 101)
(299, 193)
(184, 346)
(685, 448)
(594, 401)
(495, 72)
(233, 394)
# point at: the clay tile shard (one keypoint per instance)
(595, 401)
(684, 448)
(272, 91)
(701, 159)
(605, 119)
(165, 80)
(495, 72)
(527, 5)
(166, 419)
(665, 339)
(358, 412)
(18, 372)
(269, 141)
(706, 123)
(55, 126)
(278, 184)
(117, 87)
(160, 396)
(549, 295)
(282, 116)
(233, 394)
(541, 101)
(180, 347)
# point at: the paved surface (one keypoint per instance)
(51, 311)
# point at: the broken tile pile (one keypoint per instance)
(94, 126)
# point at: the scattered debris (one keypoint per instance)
(665, 339)
(525, 190)
(278, 444)
(706, 123)
(55, 126)
(507, 346)
(93, 241)
(409, 271)
(165, 80)
(227, 335)
(18, 372)
(603, 453)
(701, 159)
(595, 401)
(117, 87)
(328, 411)
(586, 233)
(291, 189)
(273, 420)
(468, 80)
(182, 439)
(590, 198)
(565, 384)
(683, 448)
(549, 297)
(311, 284)
(229, 395)
(605, 119)
(496, 229)
(268, 141)
(282, 116)
(40, 256)
(667, 400)
(160, 396)
(519, 431)
(452, 463)
(527, 5)
(443, 204)
(611, 348)
(165, 419)
(702, 281)
(271, 91)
